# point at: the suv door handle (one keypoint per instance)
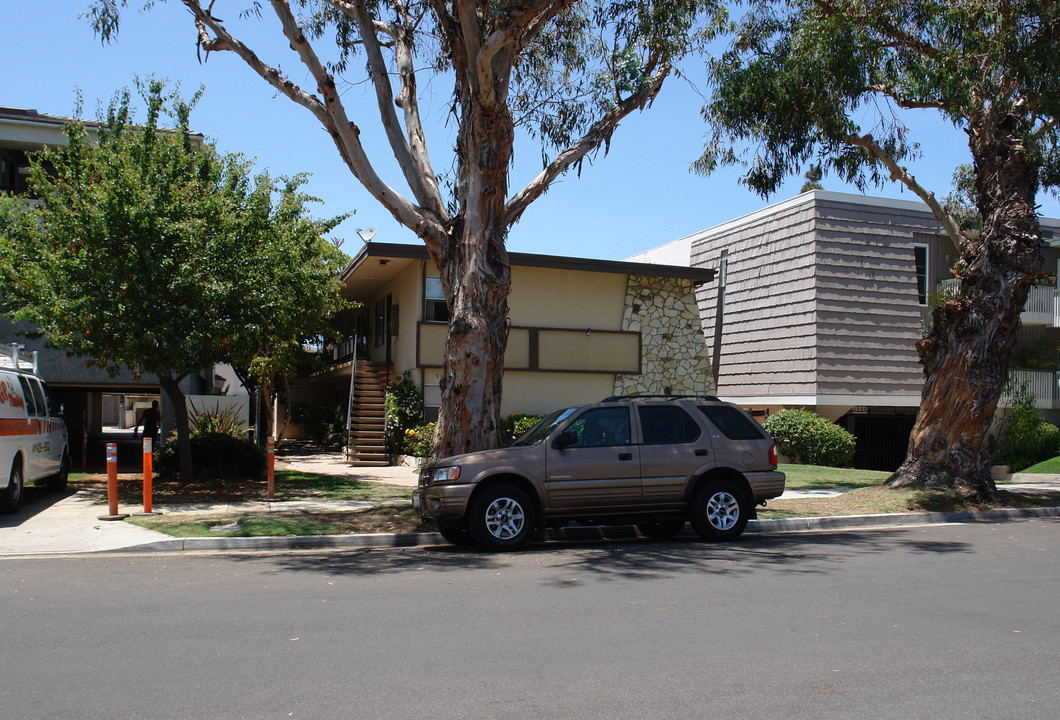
(625, 456)
(701, 452)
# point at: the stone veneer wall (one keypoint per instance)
(673, 351)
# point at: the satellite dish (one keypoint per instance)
(367, 234)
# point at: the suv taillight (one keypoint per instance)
(773, 459)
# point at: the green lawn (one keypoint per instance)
(1046, 467)
(388, 519)
(294, 485)
(817, 477)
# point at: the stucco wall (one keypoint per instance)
(674, 354)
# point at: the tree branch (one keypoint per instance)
(600, 132)
(1042, 130)
(471, 39)
(903, 176)
(517, 31)
(907, 103)
(418, 174)
(902, 38)
(330, 113)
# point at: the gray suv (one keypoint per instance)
(656, 462)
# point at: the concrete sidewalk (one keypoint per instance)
(71, 524)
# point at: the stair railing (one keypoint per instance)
(349, 405)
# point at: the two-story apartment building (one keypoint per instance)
(580, 330)
(821, 299)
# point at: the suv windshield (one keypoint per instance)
(544, 428)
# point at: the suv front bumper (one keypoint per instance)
(441, 502)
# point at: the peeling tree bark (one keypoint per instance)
(966, 356)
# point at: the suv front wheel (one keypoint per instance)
(502, 518)
(718, 510)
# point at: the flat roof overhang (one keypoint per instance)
(378, 263)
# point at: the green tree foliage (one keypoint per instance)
(827, 81)
(807, 438)
(144, 250)
(565, 72)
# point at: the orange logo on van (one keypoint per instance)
(8, 396)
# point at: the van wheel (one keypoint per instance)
(58, 481)
(501, 518)
(718, 511)
(11, 498)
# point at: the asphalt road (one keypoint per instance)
(951, 621)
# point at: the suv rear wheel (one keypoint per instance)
(502, 518)
(718, 510)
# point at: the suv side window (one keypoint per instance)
(602, 427)
(666, 424)
(732, 423)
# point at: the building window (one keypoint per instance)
(434, 307)
(920, 258)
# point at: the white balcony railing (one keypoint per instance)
(1042, 306)
(1043, 385)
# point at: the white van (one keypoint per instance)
(34, 444)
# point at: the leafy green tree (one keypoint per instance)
(145, 251)
(287, 286)
(802, 78)
(565, 71)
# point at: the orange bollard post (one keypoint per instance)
(147, 477)
(112, 484)
(271, 468)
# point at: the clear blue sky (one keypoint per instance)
(638, 196)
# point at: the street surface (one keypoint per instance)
(933, 622)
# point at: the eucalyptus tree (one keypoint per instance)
(828, 79)
(564, 71)
(144, 250)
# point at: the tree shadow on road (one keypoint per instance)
(639, 559)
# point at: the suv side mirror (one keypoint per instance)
(565, 439)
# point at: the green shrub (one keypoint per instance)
(214, 455)
(404, 410)
(515, 425)
(419, 441)
(807, 438)
(227, 421)
(1027, 438)
(321, 421)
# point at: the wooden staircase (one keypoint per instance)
(368, 415)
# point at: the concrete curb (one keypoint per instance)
(582, 534)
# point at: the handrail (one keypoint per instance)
(349, 404)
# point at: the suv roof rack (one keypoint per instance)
(617, 398)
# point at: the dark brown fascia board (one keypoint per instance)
(553, 262)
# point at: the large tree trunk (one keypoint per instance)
(967, 354)
(180, 410)
(476, 279)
